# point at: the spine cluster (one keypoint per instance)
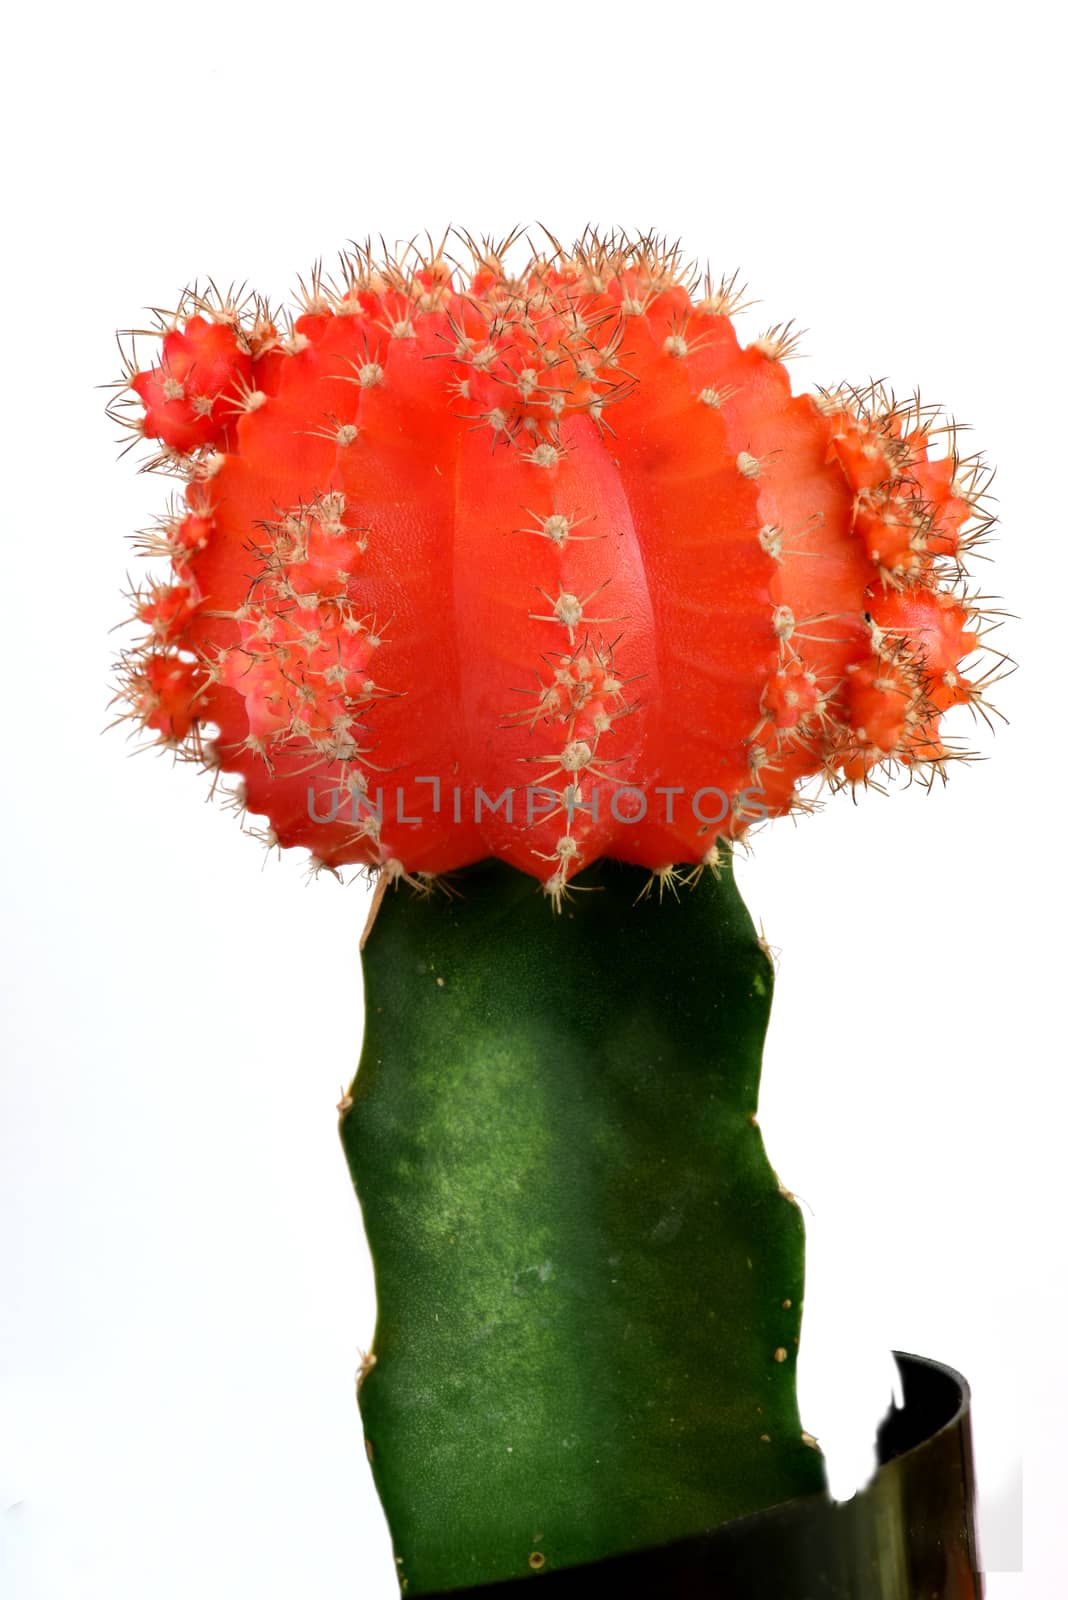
(541, 564)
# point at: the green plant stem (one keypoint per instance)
(589, 1278)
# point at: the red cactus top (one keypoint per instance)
(541, 565)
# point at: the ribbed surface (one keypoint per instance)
(542, 566)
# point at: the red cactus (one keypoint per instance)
(189, 398)
(541, 565)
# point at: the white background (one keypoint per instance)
(184, 1282)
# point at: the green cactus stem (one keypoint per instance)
(589, 1277)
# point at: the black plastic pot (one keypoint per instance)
(910, 1535)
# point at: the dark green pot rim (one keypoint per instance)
(909, 1534)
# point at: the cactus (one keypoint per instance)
(589, 1277)
(489, 575)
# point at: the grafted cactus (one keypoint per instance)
(485, 575)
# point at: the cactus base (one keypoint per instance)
(910, 1532)
(589, 1276)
